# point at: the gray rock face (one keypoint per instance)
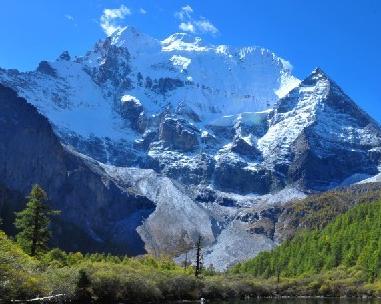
(321, 173)
(242, 147)
(148, 137)
(187, 112)
(114, 66)
(132, 110)
(178, 134)
(105, 150)
(11, 201)
(104, 215)
(335, 144)
(44, 67)
(65, 56)
(236, 177)
(164, 85)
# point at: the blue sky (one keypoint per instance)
(343, 37)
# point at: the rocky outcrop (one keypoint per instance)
(147, 138)
(131, 107)
(113, 66)
(164, 85)
(312, 171)
(244, 148)
(185, 111)
(178, 134)
(45, 67)
(132, 110)
(65, 56)
(236, 176)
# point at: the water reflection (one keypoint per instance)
(301, 301)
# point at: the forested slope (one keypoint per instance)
(352, 240)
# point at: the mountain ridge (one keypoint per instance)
(205, 152)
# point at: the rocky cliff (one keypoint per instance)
(92, 205)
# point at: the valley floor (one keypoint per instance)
(108, 279)
(341, 260)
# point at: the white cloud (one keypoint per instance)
(205, 26)
(110, 16)
(69, 17)
(192, 25)
(186, 27)
(184, 13)
(187, 9)
(114, 13)
(142, 11)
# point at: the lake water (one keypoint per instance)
(301, 301)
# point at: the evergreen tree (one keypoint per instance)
(198, 257)
(33, 222)
(186, 263)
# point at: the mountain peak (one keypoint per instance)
(183, 42)
(319, 74)
(316, 88)
(322, 99)
(319, 71)
(65, 56)
(184, 37)
(317, 78)
(133, 39)
(129, 31)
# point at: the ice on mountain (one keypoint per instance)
(181, 62)
(130, 98)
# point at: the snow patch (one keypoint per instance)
(129, 98)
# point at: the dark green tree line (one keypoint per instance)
(353, 239)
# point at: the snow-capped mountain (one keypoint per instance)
(211, 139)
(321, 136)
(129, 79)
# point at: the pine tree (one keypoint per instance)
(185, 263)
(198, 257)
(33, 222)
